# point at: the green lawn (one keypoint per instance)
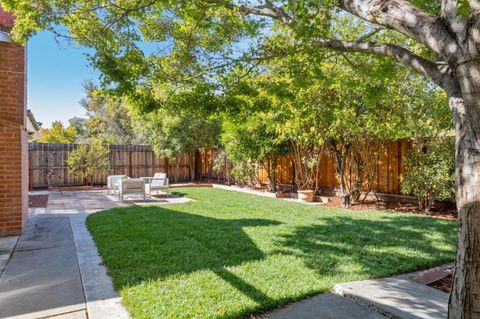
(228, 254)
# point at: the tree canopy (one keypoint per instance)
(57, 134)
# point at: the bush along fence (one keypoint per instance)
(47, 167)
(378, 168)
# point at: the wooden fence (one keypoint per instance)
(389, 170)
(47, 165)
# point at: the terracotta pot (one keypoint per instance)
(306, 195)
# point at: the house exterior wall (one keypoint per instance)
(13, 140)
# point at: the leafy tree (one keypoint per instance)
(250, 132)
(87, 160)
(181, 127)
(57, 134)
(79, 124)
(343, 105)
(349, 113)
(431, 171)
(108, 118)
(436, 39)
(251, 140)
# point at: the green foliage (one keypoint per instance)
(332, 104)
(180, 125)
(233, 255)
(464, 8)
(79, 124)
(431, 171)
(87, 160)
(57, 134)
(174, 133)
(250, 130)
(108, 119)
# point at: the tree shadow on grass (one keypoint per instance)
(373, 248)
(141, 244)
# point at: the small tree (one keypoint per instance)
(88, 160)
(431, 172)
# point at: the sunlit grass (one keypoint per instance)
(229, 254)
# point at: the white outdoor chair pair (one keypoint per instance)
(124, 185)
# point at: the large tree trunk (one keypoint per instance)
(465, 296)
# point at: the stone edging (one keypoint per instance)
(102, 301)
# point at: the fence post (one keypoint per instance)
(130, 163)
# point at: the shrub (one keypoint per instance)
(431, 172)
(87, 160)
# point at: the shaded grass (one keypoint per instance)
(230, 254)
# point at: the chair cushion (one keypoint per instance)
(133, 183)
(158, 183)
(160, 176)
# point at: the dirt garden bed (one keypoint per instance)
(438, 210)
(444, 284)
(37, 201)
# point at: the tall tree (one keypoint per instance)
(440, 41)
(181, 126)
(57, 134)
(108, 119)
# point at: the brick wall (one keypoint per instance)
(13, 140)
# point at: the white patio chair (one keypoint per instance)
(113, 182)
(158, 182)
(131, 186)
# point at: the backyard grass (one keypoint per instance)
(229, 254)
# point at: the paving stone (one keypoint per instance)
(399, 296)
(42, 277)
(7, 244)
(325, 306)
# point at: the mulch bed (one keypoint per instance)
(444, 284)
(439, 209)
(37, 201)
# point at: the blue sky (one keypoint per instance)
(55, 77)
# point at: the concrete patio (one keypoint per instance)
(55, 270)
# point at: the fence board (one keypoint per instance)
(47, 165)
(388, 177)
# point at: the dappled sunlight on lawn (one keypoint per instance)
(228, 254)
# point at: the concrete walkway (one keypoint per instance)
(55, 270)
(42, 277)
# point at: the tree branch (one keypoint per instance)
(404, 17)
(438, 73)
(266, 10)
(457, 22)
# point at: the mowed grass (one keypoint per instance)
(229, 254)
